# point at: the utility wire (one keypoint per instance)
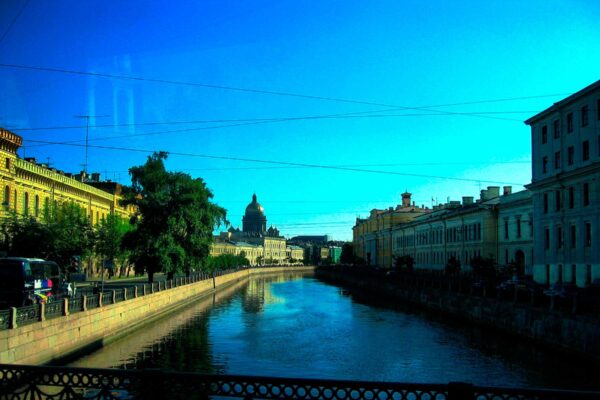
(306, 165)
(236, 89)
(13, 21)
(255, 122)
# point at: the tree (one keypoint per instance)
(347, 256)
(452, 266)
(405, 262)
(174, 220)
(63, 232)
(110, 232)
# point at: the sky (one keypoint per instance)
(428, 97)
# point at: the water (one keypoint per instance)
(297, 326)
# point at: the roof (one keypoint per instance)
(556, 106)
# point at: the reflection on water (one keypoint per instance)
(290, 325)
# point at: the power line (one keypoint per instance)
(13, 21)
(306, 165)
(235, 89)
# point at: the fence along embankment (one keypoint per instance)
(43, 333)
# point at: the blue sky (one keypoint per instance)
(375, 55)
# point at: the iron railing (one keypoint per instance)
(34, 382)
(31, 314)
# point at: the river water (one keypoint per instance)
(296, 326)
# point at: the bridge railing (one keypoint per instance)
(33, 382)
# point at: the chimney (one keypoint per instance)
(95, 177)
(467, 200)
(406, 199)
(506, 190)
(493, 191)
(31, 160)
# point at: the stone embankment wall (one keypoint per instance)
(45, 341)
(578, 335)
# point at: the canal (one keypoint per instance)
(293, 325)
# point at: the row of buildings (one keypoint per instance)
(265, 246)
(549, 231)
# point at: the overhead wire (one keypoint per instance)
(236, 89)
(14, 20)
(255, 160)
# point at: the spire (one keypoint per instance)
(254, 198)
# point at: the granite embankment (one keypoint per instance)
(83, 331)
(575, 334)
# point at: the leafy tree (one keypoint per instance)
(452, 266)
(64, 231)
(405, 262)
(347, 256)
(174, 221)
(226, 261)
(483, 267)
(110, 232)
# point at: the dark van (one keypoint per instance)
(26, 281)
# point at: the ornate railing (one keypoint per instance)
(54, 309)
(5, 319)
(27, 315)
(33, 382)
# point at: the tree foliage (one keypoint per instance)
(63, 231)
(347, 256)
(174, 221)
(110, 232)
(226, 261)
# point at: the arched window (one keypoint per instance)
(26, 204)
(6, 201)
(37, 206)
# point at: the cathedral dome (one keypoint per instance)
(254, 207)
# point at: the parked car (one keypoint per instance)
(25, 281)
(562, 290)
(518, 283)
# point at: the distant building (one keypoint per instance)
(310, 239)
(272, 246)
(566, 189)
(372, 236)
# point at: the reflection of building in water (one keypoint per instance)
(258, 293)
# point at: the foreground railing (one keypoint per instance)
(32, 382)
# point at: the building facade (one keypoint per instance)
(372, 236)
(566, 189)
(28, 187)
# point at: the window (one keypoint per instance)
(559, 237)
(586, 194)
(518, 227)
(585, 150)
(505, 228)
(557, 196)
(556, 128)
(7, 164)
(544, 134)
(569, 122)
(557, 160)
(6, 201)
(571, 197)
(573, 236)
(544, 164)
(584, 115)
(545, 203)
(588, 274)
(16, 202)
(573, 273)
(588, 234)
(26, 204)
(546, 238)
(560, 272)
(570, 155)
(36, 206)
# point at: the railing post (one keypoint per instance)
(460, 391)
(144, 289)
(100, 299)
(13, 317)
(83, 303)
(135, 292)
(42, 311)
(65, 306)
(113, 292)
(152, 287)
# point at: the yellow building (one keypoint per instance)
(372, 236)
(28, 187)
(252, 252)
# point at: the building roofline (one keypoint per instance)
(556, 106)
